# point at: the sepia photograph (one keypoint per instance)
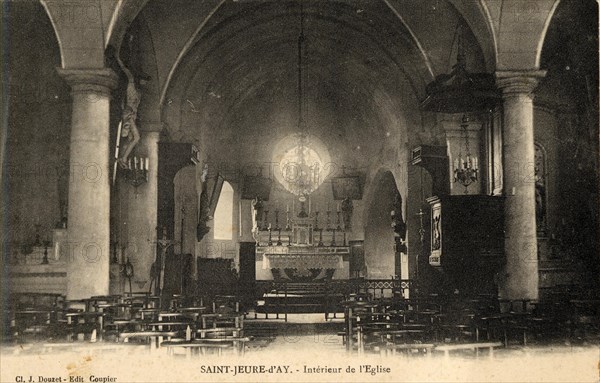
(300, 191)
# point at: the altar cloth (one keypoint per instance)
(302, 261)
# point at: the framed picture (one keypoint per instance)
(256, 187)
(347, 186)
(436, 233)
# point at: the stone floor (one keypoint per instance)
(306, 348)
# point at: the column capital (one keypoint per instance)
(100, 81)
(518, 82)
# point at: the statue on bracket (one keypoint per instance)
(347, 209)
(398, 224)
(204, 214)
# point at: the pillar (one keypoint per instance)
(89, 187)
(138, 232)
(520, 280)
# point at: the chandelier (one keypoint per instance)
(465, 168)
(300, 157)
(302, 170)
(301, 167)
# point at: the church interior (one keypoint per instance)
(211, 177)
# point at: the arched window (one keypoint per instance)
(223, 223)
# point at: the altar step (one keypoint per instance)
(298, 308)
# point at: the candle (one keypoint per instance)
(135, 161)
(141, 163)
(129, 164)
(475, 163)
(287, 207)
(147, 160)
(456, 163)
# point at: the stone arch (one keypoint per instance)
(380, 259)
(55, 30)
(540, 44)
(479, 19)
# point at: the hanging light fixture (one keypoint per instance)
(465, 168)
(302, 169)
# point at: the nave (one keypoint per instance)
(412, 182)
(388, 331)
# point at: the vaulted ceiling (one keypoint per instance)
(224, 71)
(364, 71)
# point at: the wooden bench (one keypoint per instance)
(219, 332)
(201, 345)
(446, 348)
(390, 347)
(154, 337)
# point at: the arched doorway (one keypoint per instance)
(380, 260)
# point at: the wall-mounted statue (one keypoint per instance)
(347, 209)
(398, 224)
(204, 211)
(129, 128)
(397, 221)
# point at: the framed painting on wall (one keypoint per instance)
(346, 187)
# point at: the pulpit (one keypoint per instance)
(467, 240)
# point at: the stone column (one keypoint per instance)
(89, 187)
(140, 233)
(520, 280)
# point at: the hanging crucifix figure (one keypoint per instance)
(129, 129)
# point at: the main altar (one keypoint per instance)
(302, 251)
